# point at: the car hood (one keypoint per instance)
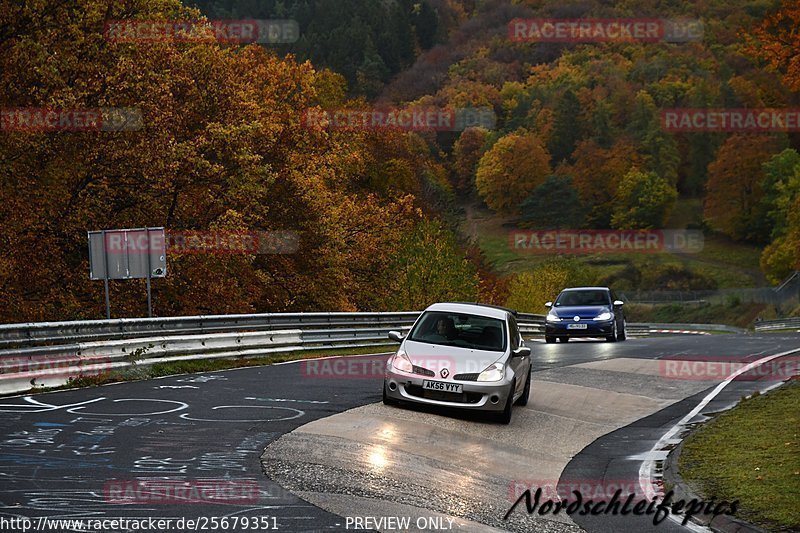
(583, 311)
(456, 360)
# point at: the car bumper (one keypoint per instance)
(479, 396)
(593, 329)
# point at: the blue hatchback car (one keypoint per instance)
(585, 312)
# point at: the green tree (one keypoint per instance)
(660, 152)
(642, 117)
(643, 200)
(782, 200)
(372, 73)
(529, 290)
(781, 186)
(553, 205)
(601, 125)
(430, 267)
(566, 128)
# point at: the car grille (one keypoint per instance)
(423, 371)
(462, 397)
(466, 377)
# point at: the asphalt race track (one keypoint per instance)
(191, 447)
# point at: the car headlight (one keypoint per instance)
(494, 373)
(603, 316)
(553, 318)
(401, 362)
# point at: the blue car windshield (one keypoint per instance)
(461, 330)
(582, 298)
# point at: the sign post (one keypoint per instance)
(127, 254)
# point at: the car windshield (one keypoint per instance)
(577, 298)
(462, 330)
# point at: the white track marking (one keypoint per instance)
(647, 466)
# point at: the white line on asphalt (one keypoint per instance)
(329, 357)
(646, 468)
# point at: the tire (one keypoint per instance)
(523, 400)
(386, 399)
(623, 335)
(613, 336)
(549, 340)
(564, 339)
(505, 416)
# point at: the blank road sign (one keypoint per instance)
(129, 253)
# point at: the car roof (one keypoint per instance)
(492, 311)
(586, 289)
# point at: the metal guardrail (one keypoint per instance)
(784, 323)
(50, 354)
(30, 334)
(696, 327)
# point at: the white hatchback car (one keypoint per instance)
(468, 356)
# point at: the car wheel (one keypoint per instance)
(549, 340)
(505, 415)
(613, 336)
(386, 399)
(564, 339)
(622, 334)
(523, 400)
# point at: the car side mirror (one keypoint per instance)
(548, 304)
(522, 351)
(396, 336)
(617, 303)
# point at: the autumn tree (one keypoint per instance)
(221, 147)
(734, 188)
(643, 200)
(596, 175)
(777, 42)
(510, 170)
(468, 150)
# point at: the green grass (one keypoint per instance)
(733, 314)
(727, 252)
(752, 454)
(144, 371)
(686, 211)
(730, 264)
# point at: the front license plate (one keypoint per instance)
(442, 386)
(576, 326)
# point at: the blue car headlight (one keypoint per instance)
(604, 316)
(553, 318)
